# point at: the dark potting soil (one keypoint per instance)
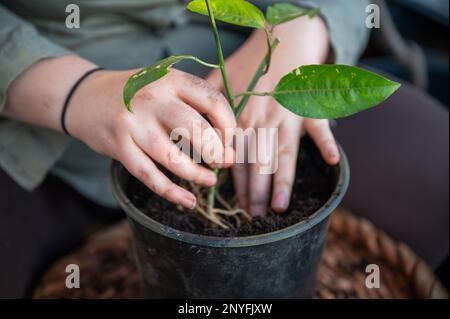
(313, 186)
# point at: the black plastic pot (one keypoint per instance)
(281, 264)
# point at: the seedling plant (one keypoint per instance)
(312, 91)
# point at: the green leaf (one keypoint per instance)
(153, 73)
(332, 91)
(238, 12)
(284, 12)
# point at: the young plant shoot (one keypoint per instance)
(312, 91)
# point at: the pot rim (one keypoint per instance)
(255, 240)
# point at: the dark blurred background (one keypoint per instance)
(413, 45)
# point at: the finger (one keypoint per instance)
(203, 97)
(320, 132)
(181, 119)
(157, 145)
(240, 182)
(259, 178)
(289, 137)
(241, 175)
(143, 168)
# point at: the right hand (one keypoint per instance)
(97, 116)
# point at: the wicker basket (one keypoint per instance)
(353, 244)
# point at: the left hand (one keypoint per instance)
(303, 41)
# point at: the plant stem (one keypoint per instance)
(209, 65)
(220, 55)
(269, 48)
(259, 73)
(252, 93)
(212, 190)
(262, 69)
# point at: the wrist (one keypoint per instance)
(94, 106)
(70, 95)
(85, 103)
(306, 39)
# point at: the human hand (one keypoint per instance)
(303, 41)
(97, 116)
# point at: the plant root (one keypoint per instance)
(216, 215)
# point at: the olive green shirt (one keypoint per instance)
(115, 34)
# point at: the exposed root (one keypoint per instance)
(213, 217)
(223, 202)
(216, 215)
(235, 213)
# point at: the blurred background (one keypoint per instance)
(413, 45)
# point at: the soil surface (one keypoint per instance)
(314, 184)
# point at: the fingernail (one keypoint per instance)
(211, 179)
(258, 211)
(189, 202)
(333, 153)
(281, 201)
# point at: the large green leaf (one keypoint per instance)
(332, 91)
(151, 74)
(238, 12)
(283, 12)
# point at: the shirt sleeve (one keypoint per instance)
(346, 23)
(26, 152)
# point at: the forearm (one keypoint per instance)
(308, 36)
(345, 21)
(37, 95)
(306, 40)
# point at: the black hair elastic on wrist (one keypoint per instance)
(69, 97)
